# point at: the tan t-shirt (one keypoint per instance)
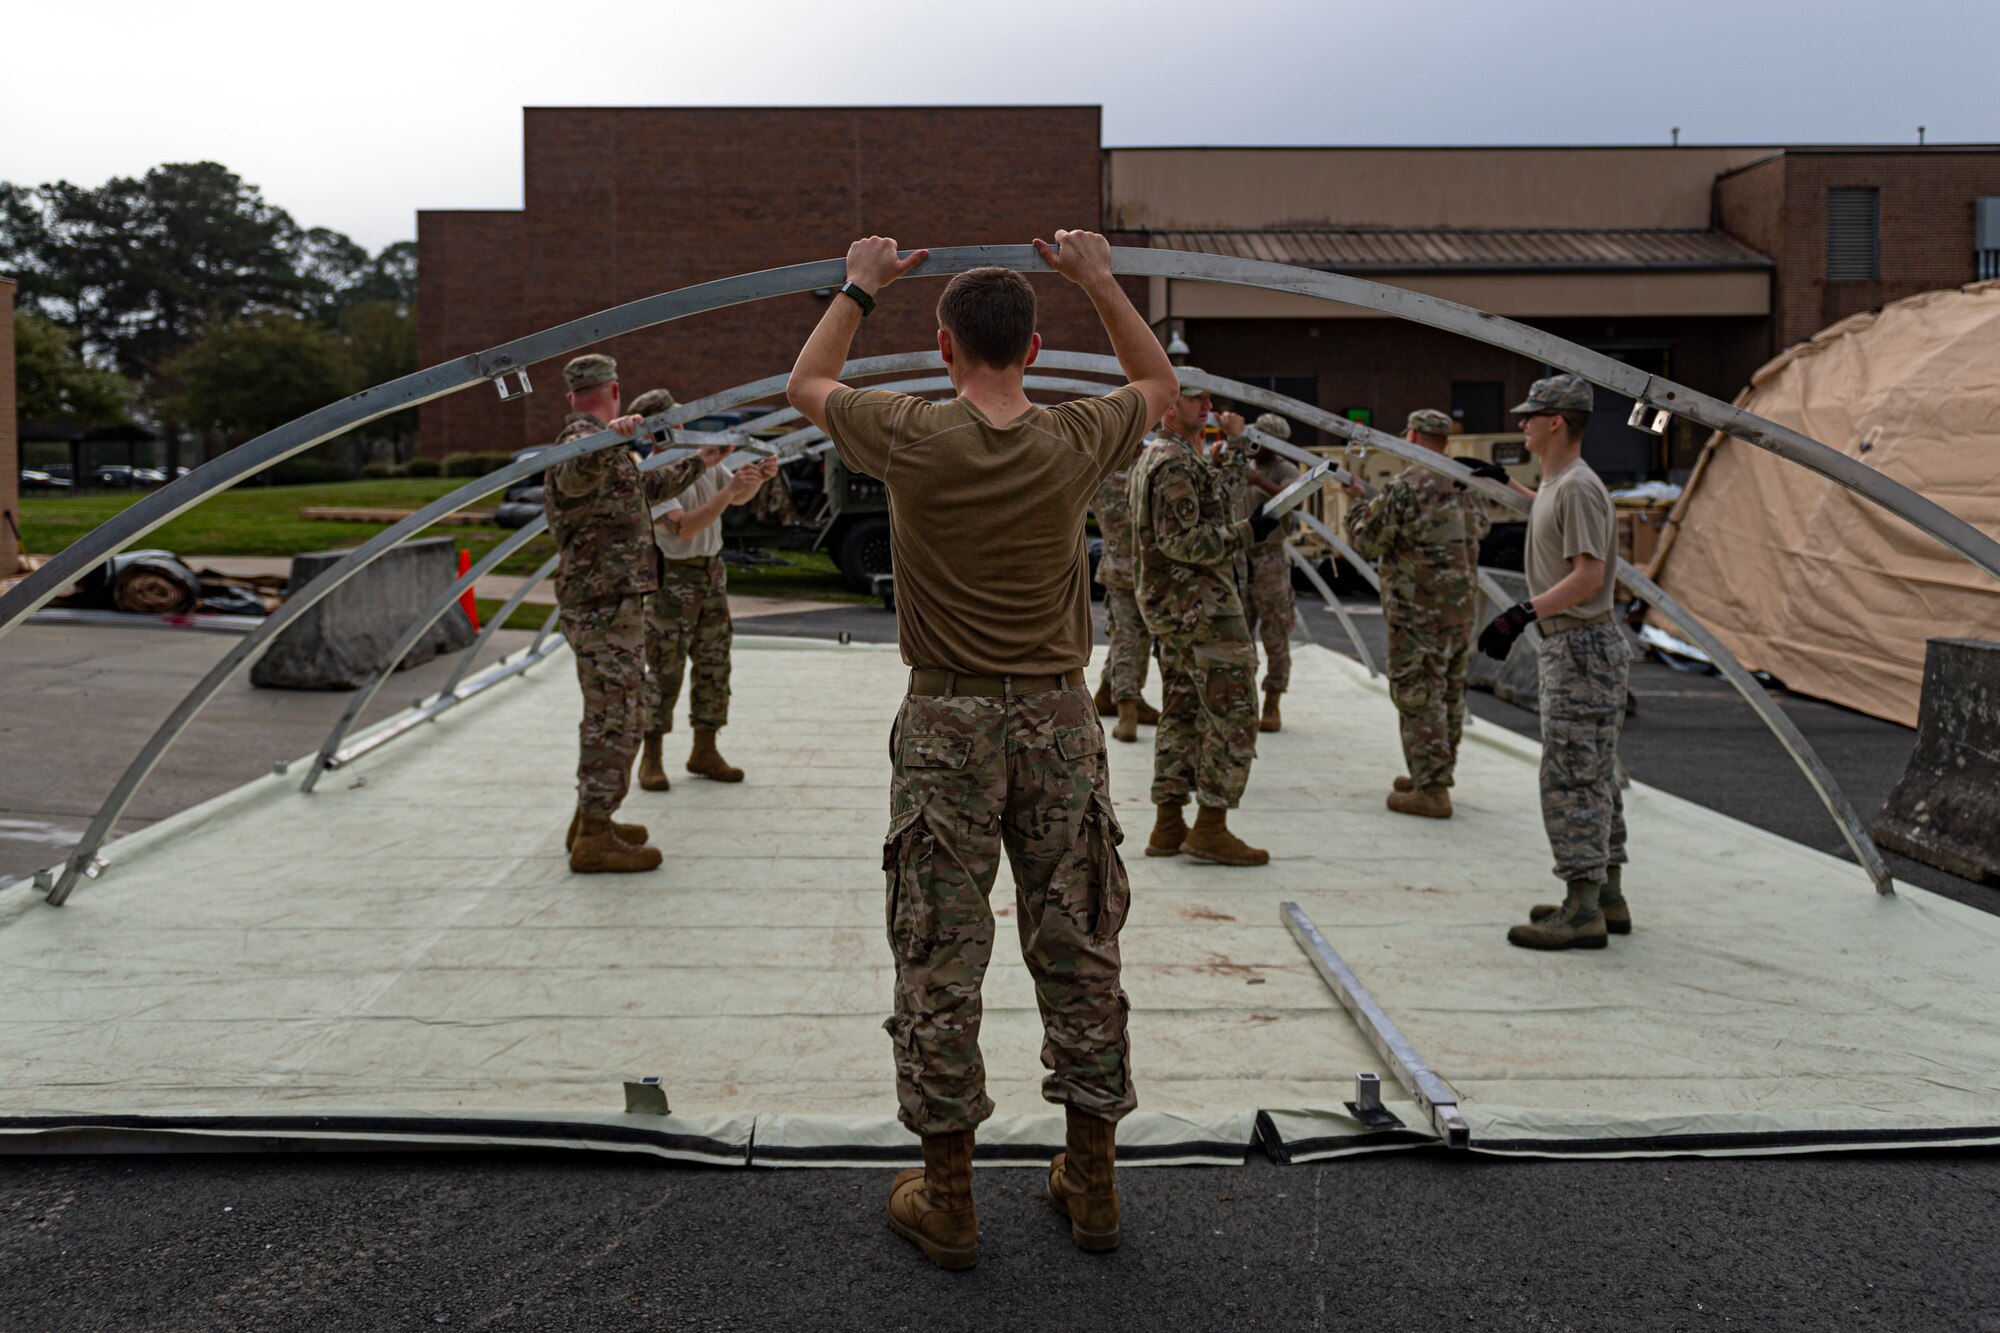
(706, 542)
(1572, 516)
(986, 521)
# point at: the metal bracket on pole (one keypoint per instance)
(1432, 1094)
(1367, 1104)
(513, 384)
(645, 1096)
(1646, 417)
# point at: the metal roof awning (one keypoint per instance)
(1467, 250)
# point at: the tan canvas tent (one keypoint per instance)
(1805, 580)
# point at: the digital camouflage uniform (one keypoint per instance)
(1582, 697)
(1190, 569)
(1423, 530)
(974, 775)
(687, 618)
(597, 515)
(1270, 607)
(1125, 664)
(688, 629)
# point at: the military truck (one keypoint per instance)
(1504, 548)
(854, 523)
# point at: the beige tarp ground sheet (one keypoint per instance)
(1808, 581)
(403, 956)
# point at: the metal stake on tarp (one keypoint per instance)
(1431, 1093)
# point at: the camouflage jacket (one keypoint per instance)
(597, 509)
(1423, 529)
(1251, 498)
(1190, 552)
(1113, 507)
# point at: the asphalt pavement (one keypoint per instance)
(1413, 1240)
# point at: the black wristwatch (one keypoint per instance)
(861, 298)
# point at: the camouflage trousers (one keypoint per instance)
(1273, 612)
(608, 636)
(687, 625)
(1583, 709)
(1427, 667)
(1131, 645)
(972, 776)
(1207, 734)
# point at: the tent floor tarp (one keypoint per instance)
(403, 958)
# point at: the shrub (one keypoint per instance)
(380, 471)
(474, 465)
(307, 472)
(421, 466)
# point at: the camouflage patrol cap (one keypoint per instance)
(1429, 421)
(1273, 424)
(1189, 390)
(588, 370)
(1557, 393)
(651, 402)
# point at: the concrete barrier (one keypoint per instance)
(342, 642)
(1945, 811)
(1518, 680)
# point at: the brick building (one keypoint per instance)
(1693, 262)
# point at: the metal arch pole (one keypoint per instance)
(1333, 604)
(493, 623)
(415, 631)
(1817, 774)
(512, 358)
(85, 853)
(1341, 546)
(555, 613)
(1435, 1097)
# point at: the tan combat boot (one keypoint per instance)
(599, 850)
(1611, 901)
(932, 1204)
(1270, 721)
(1431, 803)
(1577, 924)
(1149, 716)
(1105, 708)
(1127, 728)
(1211, 840)
(652, 774)
(705, 761)
(1169, 830)
(1082, 1181)
(634, 834)
(1403, 783)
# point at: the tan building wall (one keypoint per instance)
(1162, 189)
(10, 448)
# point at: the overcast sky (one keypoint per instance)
(354, 116)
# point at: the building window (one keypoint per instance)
(1986, 237)
(1305, 388)
(1853, 234)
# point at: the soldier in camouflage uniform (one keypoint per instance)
(597, 515)
(1571, 563)
(687, 619)
(997, 745)
(1423, 530)
(1272, 610)
(1125, 663)
(1191, 569)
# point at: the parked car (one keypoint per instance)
(34, 479)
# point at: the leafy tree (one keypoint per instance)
(54, 384)
(382, 342)
(249, 375)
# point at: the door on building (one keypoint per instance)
(1623, 454)
(1479, 406)
(1305, 388)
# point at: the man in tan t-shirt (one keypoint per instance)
(997, 743)
(1583, 660)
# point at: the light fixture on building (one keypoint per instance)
(1177, 345)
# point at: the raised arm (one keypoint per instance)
(872, 264)
(1084, 257)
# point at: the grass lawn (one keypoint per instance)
(264, 521)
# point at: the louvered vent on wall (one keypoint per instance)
(1853, 234)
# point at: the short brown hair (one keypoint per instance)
(1578, 423)
(990, 315)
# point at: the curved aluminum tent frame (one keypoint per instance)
(507, 365)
